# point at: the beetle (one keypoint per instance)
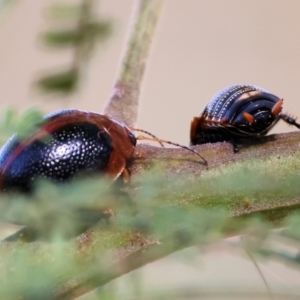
(236, 112)
(67, 143)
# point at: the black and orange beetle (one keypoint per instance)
(66, 144)
(236, 112)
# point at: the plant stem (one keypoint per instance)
(123, 104)
(271, 157)
(262, 179)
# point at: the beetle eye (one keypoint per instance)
(132, 138)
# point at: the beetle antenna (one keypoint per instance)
(141, 137)
(289, 119)
(147, 132)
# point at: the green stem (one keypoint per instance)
(123, 104)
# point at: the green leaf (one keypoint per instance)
(69, 38)
(28, 122)
(62, 38)
(64, 82)
(23, 124)
(8, 116)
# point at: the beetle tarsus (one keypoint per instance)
(234, 145)
(126, 175)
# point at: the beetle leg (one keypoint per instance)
(289, 120)
(235, 146)
(116, 166)
(126, 175)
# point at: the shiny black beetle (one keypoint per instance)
(236, 112)
(65, 144)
